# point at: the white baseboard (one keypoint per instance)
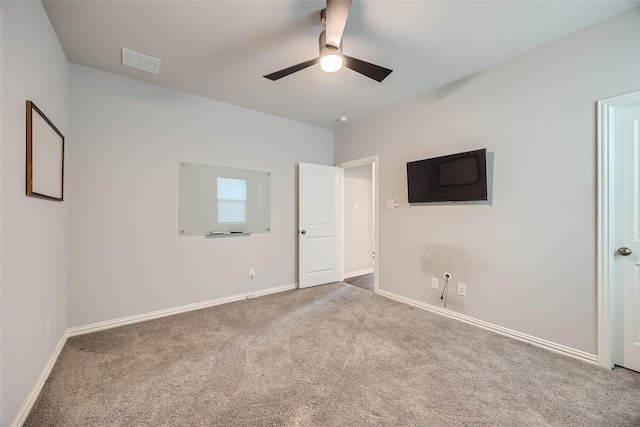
(100, 326)
(357, 273)
(538, 342)
(23, 413)
(276, 289)
(27, 405)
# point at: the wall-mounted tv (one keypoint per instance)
(453, 178)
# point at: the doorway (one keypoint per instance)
(618, 240)
(360, 223)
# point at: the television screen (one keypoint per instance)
(453, 178)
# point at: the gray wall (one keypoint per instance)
(34, 231)
(127, 138)
(114, 238)
(529, 259)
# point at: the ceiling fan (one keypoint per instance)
(331, 58)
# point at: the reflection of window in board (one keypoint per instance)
(218, 199)
(232, 201)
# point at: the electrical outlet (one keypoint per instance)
(462, 289)
(252, 273)
(434, 283)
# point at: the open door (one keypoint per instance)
(319, 216)
(619, 231)
(627, 255)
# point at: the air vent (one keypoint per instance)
(140, 61)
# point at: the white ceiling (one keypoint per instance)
(221, 49)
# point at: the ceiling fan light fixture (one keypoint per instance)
(330, 56)
(331, 59)
(331, 62)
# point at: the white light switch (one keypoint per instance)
(390, 204)
(357, 206)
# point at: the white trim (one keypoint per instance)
(358, 162)
(2, 124)
(23, 413)
(27, 405)
(605, 224)
(277, 289)
(538, 342)
(108, 324)
(357, 273)
(375, 162)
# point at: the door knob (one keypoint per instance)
(624, 251)
(303, 232)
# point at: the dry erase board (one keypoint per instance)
(217, 199)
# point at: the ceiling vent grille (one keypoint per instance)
(140, 61)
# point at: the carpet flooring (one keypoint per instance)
(332, 355)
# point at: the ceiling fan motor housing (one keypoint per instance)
(327, 48)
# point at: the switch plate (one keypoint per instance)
(462, 289)
(396, 203)
(434, 283)
(390, 204)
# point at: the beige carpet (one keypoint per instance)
(332, 355)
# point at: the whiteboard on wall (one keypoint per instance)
(223, 200)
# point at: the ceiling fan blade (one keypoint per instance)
(337, 14)
(372, 71)
(283, 73)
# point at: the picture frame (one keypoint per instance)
(45, 156)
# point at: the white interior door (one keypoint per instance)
(319, 214)
(627, 131)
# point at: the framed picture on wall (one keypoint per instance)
(45, 156)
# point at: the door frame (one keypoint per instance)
(606, 225)
(374, 162)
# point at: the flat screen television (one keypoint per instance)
(453, 178)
